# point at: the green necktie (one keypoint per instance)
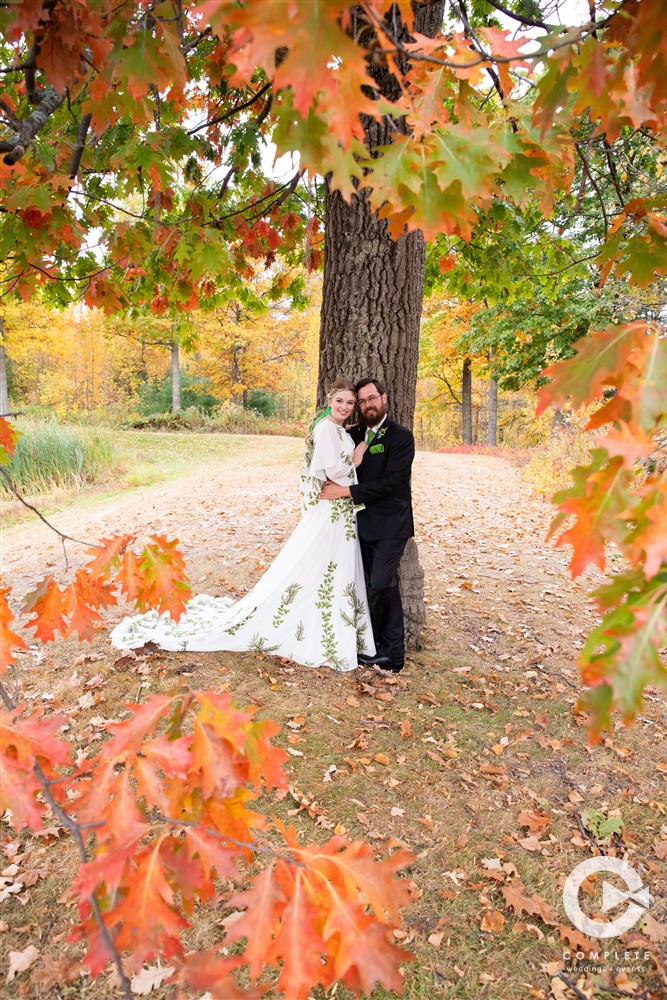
(370, 436)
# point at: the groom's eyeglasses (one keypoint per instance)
(369, 399)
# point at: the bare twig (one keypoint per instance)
(289, 189)
(568, 982)
(255, 848)
(10, 704)
(12, 489)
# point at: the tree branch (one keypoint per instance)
(49, 103)
(230, 114)
(250, 846)
(443, 378)
(463, 13)
(12, 489)
(77, 152)
(613, 172)
(596, 188)
(75, 831)
(522, 18)
(195, 41)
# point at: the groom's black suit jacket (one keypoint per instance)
(384, 483)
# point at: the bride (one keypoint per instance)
(310, 606)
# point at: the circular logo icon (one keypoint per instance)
(636, 895)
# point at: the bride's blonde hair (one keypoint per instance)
(332, 389)
(340, 383)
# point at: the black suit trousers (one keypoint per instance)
(381, 558)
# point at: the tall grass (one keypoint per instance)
(225, 419)
(51, 456)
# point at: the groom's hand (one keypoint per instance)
(332, 491)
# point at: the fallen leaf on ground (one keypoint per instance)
(534, 819)
(150, 978)
(654, 929)
(19, 961)
(530, 844)
(57, 970)
(492, 922)
(516, 896)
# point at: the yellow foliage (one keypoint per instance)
(567, 445)
(78, 359)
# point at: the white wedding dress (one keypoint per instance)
(310, 606)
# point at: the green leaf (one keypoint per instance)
(600, 825)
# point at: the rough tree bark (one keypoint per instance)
(373, 290)
(175, 377)
(492, 425)
(466, 401)
(4, 397)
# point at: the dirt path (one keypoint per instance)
(480, 530)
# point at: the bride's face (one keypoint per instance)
(342, 404)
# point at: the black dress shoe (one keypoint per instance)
(365, 659)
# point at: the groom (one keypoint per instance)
(386, 522)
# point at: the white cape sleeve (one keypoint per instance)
(330, 460)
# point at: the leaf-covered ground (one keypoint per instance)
(474, 757)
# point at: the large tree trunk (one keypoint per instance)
(492, 425)
(371, 303)
(466, 401)
(372, 296)
(4, 396)
(175, 378)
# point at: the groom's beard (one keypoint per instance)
(373, 415)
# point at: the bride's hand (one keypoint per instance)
(359, 453)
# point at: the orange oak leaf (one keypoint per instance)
(248, 738)
(163, 583)
(9, 640)
(49, 605)
(143, 719)
(213, 761)
(148, 917)
(211, 852)
(106, 555)
(107, 867)
(25, 740)
(82, 617)
(517, 898)
(300, 967)
(598, 357)
(264, 904)
(207, 971)
(351, 866)
(8, 438)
